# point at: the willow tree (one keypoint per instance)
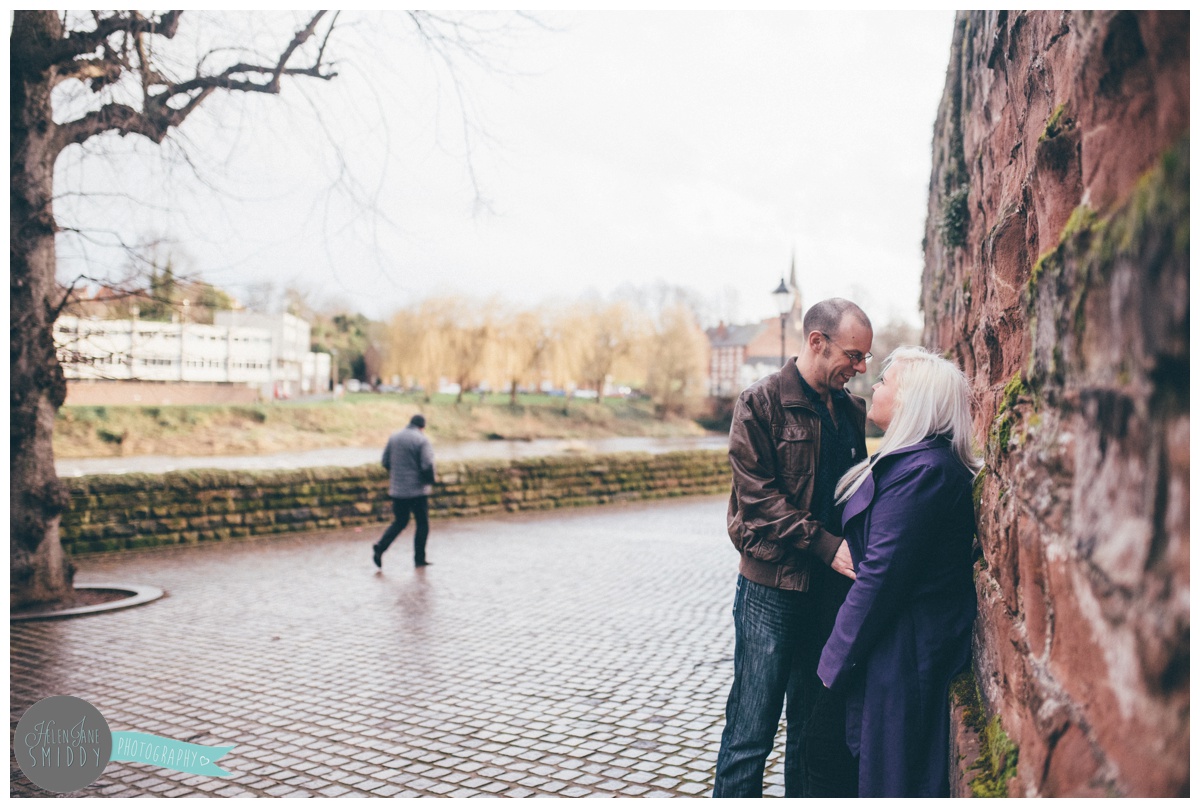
(521, 348)
(677, 362)
(117, 56)
(609, 335)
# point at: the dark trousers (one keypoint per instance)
(779, 636)
(418, 507)
(832, 770)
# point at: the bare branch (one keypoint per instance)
(227, 80)
(67, 297)
(325, 39)
(159, 116)
(99, 72)
(125, 120)
(78, 43)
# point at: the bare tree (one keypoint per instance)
(404, 348)
(117, 56)
(525, 340)
(448, 336)
(677, 361)
(260, 296)
(608, 333)
(469, 338)
(431, 324)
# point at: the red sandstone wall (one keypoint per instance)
(1056, 272)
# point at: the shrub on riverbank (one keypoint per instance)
(357, 420)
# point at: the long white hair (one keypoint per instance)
(932, 397)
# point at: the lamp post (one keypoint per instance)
(783, 302)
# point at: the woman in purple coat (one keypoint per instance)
(904, 630)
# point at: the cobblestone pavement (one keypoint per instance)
(576, 653)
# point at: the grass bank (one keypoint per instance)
(364, 419)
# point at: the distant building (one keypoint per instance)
(740, 355)
(269, 352)
(290, 340)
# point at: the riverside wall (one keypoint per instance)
(111, 512)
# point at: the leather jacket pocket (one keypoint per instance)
(764, 548)
(797, 447)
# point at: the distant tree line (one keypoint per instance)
(589, 344)
(648, 339)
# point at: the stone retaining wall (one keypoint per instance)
(125, 511)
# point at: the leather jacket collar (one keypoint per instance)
(793, 390)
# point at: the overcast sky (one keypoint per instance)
(695, 149)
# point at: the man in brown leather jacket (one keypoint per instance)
(794, 434)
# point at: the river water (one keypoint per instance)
(466, 450)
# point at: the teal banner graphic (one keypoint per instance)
(142, 747)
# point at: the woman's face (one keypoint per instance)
(883, 401)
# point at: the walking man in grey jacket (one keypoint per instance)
(409, 461)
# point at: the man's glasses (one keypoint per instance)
(853, 356)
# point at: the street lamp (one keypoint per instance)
(783, 302)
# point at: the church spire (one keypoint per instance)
(797, 304)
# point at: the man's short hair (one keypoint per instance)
(418, 421)
(827, 316)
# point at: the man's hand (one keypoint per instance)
(842, 563)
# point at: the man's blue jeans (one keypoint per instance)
(774, 657)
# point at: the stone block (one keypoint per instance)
(1071, 765)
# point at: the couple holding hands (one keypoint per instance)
(855, 598)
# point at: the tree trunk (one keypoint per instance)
(39, 570)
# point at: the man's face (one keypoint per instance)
(844, 355)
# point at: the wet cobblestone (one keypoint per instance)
(572, 654)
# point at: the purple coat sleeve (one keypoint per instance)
(901, 516)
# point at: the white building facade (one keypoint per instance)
(270, 352)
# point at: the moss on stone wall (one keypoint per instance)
(964, 692)
(1088, 248)
(997, 762)
(956, 218)
(1006, 415)
(1056, 124)
(1161, 196)
(977, 488)
(126, 511)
